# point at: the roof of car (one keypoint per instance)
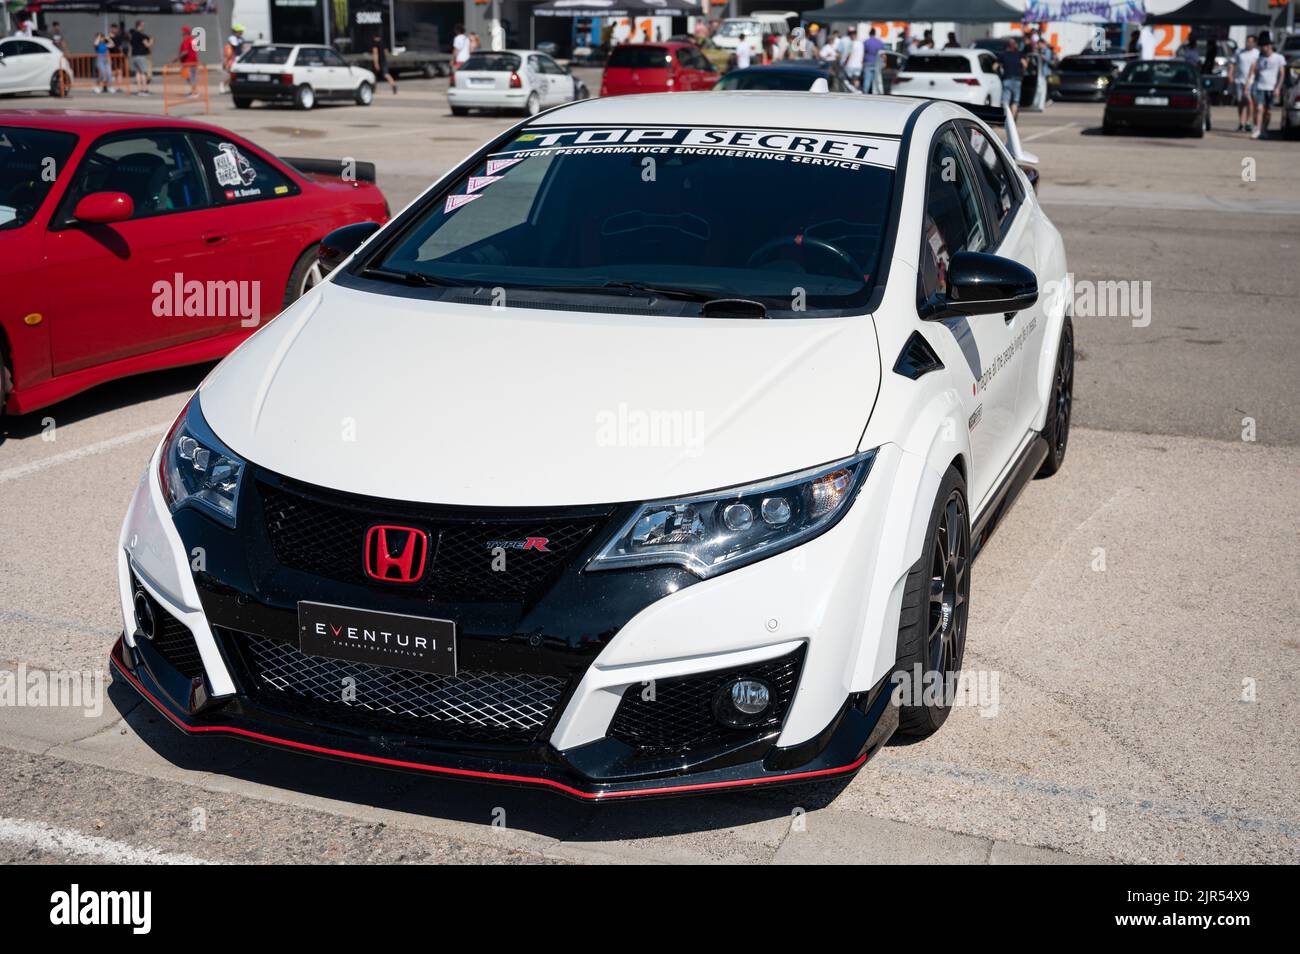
(91, 121)
(804, 66)
(880, 115)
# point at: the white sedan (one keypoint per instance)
(959, 75)
(299, 74)
(33, 65)
(524, 80)
(646, 487)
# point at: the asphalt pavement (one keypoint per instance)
(1137, 610)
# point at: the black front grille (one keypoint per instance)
(325, 534)
(679, 715)
(482, 707)
(172, 638)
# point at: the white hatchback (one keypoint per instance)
(524, 80)
(33, 65)
(962, 76)
(298, 74)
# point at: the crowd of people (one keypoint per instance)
(1256, 74)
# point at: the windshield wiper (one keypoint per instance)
(408, 278)
(685, 294)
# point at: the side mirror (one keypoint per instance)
(342, 242)
(982, 284)
(102, 207)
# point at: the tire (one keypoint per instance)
(304, 97)
(533, 105)
(1056, 428)
(304, 275)
(242, 102)
(1108, 128)
(429, 71)
(936, 609)
(460, 110)
(365, 94)
(582, 92)
(1198, 131)
(60, 84)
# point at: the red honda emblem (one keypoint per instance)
(396, 554)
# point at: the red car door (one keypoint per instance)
(112, 289)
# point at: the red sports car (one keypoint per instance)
(131, 243)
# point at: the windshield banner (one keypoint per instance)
(841, 150)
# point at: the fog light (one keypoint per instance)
(743, 702)
(144, 618)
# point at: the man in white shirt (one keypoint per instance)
(459, 47)
(1266, 85)
(742, 53)
(1239, 69)
(1147, 43)
(853, 59)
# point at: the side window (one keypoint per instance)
(995, 178)
(986, 63)
(157, 170)
(954, 220)
(332, 58)
(550, 66)
(310, 56)
(240, 175)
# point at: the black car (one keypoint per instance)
(1087, 76)
(1157, 94)
(792, 75)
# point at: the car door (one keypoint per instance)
(975, 348)
(340, 76)
(561, 86)
(1008, 207)
(21, 66)
(309, 67)
(114, 289)
(537, 79)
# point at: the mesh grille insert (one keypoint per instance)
(488, 707)
(680, 716)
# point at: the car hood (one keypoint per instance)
(463, 404)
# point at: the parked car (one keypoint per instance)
(1290, 105)
(527, 81)
(1157, 94)
(298, 74)
(793, 75)
(524, 571)
(100, 263)
(754, 27)
(33, 65)
(656, 68)
(1214, 75)
(958, 74)
(1086, 76)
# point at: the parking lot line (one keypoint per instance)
(23, 470)
(1046, 132)
(51, 839)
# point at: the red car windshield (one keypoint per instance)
(30, 162)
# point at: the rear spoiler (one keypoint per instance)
(1001, 116)
(360, 171)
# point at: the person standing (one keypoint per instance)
(230, 52)
(1266, 85)
(830, 52)
(459, 48)
(742, 52)
(379, 61)
(853, 59)
(188, 57)
(1147, 43)
(873, 60)
(56, 36)
(1044, 72)
(141, 68)
(1013, 74)
(103, 65)
(952, 43)
(1239, 72)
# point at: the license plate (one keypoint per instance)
(1151, 100)
(475, 81)
(377, 639)
(259, 77)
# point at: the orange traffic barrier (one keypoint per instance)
(185, 84)
(85, 71)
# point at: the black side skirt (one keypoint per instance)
(1031, 458)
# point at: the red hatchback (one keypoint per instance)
(656, 68)
(131, 243)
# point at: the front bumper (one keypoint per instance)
(831, 603)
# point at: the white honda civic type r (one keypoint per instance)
(589, 472)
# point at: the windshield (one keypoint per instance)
(778, 79)
(267, 55)
(795, 220)
(27, 159)
(937, 64)
(491, 63)
(1157, 73)
(735, 28)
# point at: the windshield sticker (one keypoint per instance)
(842, 150)
(500, 165)
(479, 183)
(231, 167)
(454, 202)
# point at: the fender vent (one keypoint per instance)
(917, 358)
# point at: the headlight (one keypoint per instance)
(198, 470)
(711, 533)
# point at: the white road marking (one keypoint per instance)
(54, 840)
(1046, 132)
(23, 470)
